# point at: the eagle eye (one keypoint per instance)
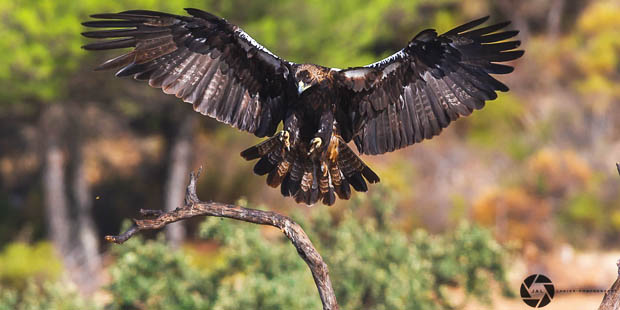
(305, 76)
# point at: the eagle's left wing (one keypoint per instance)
(415, 93)
(201, 59)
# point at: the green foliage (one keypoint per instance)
(258, 274)
(377, 266)
(41, 43)
(20, 262)
(48, 296)
(585, 218)
(585, 209)
(318, 32)
(147, 275)
(497, 127)
(372, 265)
(597, 44)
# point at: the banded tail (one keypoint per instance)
(308, 182)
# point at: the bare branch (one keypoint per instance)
(611, 300)
(155, 219)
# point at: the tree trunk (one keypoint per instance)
(181, 152)
(88, 243)
(55, 198)
(554, 18)
(512, 9)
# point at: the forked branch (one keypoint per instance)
(611, 300)
(156, 219)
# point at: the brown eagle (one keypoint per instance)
(396, 102)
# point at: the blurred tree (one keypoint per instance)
(39, 63)
(56, 201)
(180, 158)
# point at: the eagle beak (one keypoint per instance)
(301, 87)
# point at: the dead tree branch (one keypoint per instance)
(611, 300)
(156, 219)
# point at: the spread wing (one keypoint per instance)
(415, 93)
(201, 59)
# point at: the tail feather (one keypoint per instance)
(316, 192)
(263, 166)
(340, 183)
(303, 194)
(344, 191)
(292, 181)
(309, 188)
(370, 175)
(324, 180)
(262, 148)
(357, 181)
(326, 185)
(277, 175)
(354, 169)
(307, 181)
(329, 198)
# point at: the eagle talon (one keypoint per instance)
(315, 144)
(285, 137)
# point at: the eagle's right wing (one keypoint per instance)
(201, 59)
(421, 89)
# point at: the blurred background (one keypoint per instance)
(526, 185)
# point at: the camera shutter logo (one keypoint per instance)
(538, 297)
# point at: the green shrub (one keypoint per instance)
(148, 275)
(21, 262)
(376, 266)
(372, 265)
(47, 296)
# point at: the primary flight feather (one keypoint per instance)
(401, 100)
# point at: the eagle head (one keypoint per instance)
(308, 75)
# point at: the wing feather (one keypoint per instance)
(425, 86)
(202, 59)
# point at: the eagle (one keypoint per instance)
(225, 74)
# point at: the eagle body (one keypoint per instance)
(388, 105)
(304, 158)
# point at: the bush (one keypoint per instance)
(48, 296)
(372, 264)
(376, 266)
(21, 262)
(148, 275)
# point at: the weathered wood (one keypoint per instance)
(611, 300)
(194, 207)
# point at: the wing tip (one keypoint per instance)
(467, 26)
(202, 14)
(504, 24)
(518, 54)
(481, 19)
